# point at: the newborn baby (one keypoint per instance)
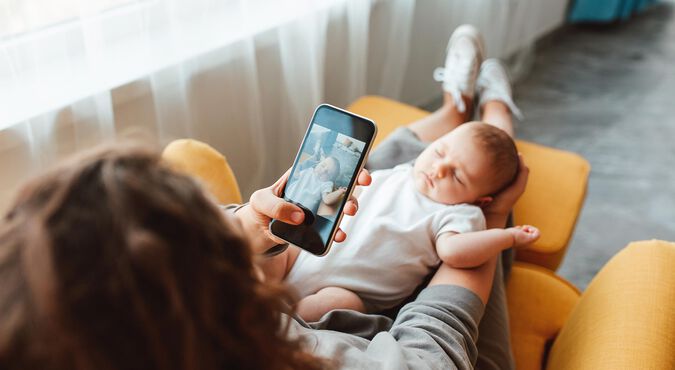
(412, 218)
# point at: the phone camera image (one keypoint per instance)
(322, 175)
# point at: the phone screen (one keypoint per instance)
(324, 174)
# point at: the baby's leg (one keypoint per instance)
(313, 307)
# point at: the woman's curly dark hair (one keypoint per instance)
(114, 261)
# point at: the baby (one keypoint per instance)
(412, 218)
(312, 185)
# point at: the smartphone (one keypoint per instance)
(332, 153)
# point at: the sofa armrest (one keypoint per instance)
(388, 114)
(626, 317)
(555, 194)
(539, 304)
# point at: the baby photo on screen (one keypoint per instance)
(321, 177)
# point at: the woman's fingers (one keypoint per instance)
(351, 207)
(340, 236)
(523, 174)
(364, 178)
(504, 201)
(265, 202)
(517, 187)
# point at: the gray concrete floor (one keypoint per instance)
(608, 93)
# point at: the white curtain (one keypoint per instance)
(241, 75)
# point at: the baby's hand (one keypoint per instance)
(523, 235)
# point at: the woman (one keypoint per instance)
(113, 261)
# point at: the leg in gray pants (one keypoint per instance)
(494, 345)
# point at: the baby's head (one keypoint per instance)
(328, 169)
(467, 165)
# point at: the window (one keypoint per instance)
(56, 52)
(18, 17)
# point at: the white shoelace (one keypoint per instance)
(450, 87)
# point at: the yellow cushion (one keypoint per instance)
(555, 192)
(626, 317)
(205, 164)
(387, 114)
(539, 303)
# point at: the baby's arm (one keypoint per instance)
(334, 196)
(473, 249)
(313, 307)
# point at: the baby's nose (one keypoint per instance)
(438, 169)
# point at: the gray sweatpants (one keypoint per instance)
(494, 345)
(437, 330)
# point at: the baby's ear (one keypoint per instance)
(483, 201)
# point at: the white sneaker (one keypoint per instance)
(493, 84)
(465, 54)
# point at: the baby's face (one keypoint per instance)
(325, 170)
(453, 169)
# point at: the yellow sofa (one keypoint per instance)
(624, 320)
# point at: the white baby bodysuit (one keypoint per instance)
(390, 246)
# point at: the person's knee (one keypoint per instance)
(313, 307)
(342, 298)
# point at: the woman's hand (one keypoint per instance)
(497, 211)
(266, 204)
